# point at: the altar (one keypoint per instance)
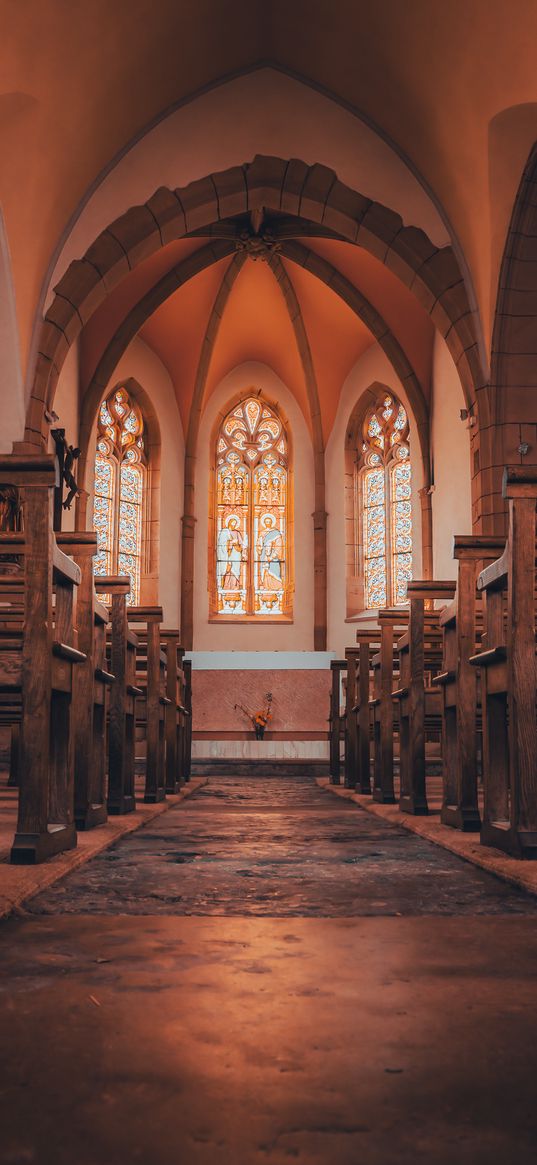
(226, 686)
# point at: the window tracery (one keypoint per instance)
(252, 555)
(120, 473)
(384, 479)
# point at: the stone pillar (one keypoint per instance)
(319, 580)
(187, 581)
(426, 531)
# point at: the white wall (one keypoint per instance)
(140, 362)
(372, 366)
(450, 443)
(296, 636)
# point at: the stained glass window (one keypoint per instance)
(120, 462)
(252, 560)
(385, 487)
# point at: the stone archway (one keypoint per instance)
(511, 435)
(310, 192)
(299, 254)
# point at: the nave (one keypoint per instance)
(269, 973)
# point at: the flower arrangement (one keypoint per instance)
(259, 720)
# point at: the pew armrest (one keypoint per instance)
(133, 690)
(100, 612)
(487, 658)
(65, 651)
(64, 568)
(105, 677)
(443, 677)
(449, 614)
(494, 577)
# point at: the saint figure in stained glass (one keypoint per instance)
(252, 571)
(384, 481)
(231, 553)
(120, 468)
(270, 553)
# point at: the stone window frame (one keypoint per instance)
(354, 560)
(260, 620)
(150, 557)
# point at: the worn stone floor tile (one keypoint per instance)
(265, 975)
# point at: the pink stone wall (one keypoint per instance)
(300, 701)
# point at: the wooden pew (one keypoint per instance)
(351, 734)
(335, 720)
(509, 679)
(187, 735)
(175, 712)
(357, 715)
(38, 664)
(462, 624)
(123, 695)
(417, 700)
(368, 647)
(11, 628)
(385, 665)
(151, 679)
(92, 681)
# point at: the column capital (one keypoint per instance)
(189, 525)
(319, 519)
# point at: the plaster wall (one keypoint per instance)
(140, 362)
(450, 443)
(11, 397)
(373, 366)
(295, 636)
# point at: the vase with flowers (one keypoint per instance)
(261, 719)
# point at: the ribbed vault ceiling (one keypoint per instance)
(254, 319)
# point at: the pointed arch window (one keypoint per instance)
(119, 490)
(251, 563)
(384, 487)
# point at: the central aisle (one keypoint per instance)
(267, 974)
(278, 847)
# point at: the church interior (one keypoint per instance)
(268, 590)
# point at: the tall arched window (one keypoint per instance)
(120, 478)
(384, 485)
(251, 538)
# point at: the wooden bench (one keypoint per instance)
(335, 720)
(151, 680)
(187, 735)
(417, 700)
(461, 623)
(37, 661)
(122, 645)
(385, 666)
(357, 716)
(508, 677)
(176, 712)
(92, 682)
(11, 627)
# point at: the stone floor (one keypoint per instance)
(264, 974)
